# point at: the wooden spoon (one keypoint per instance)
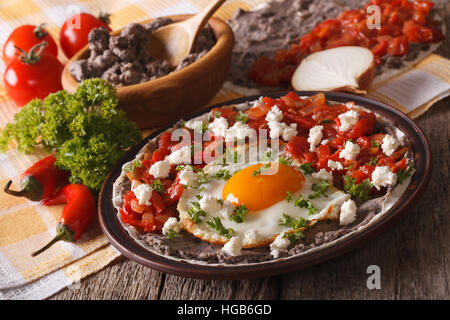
(175, 41)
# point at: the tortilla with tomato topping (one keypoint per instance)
(338, 167)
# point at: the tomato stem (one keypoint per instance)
(13, 192)
(40, 31)
(34, 55)
(103, 16)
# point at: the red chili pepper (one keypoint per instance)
(40, 181)
(76, 216)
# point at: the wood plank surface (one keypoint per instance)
(413, 256)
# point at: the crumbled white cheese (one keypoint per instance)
(278, 245)
(227, 209)
(171, 224)
(335, 165)
(233, 247)
(160, 169)
(188, 177)
(348, 120)
(324, 142)
(350, 151)
(197, 121)
(383, 177)
(277, 129)
(389, 145)
(275, 114)
(182, 155)
(143, 193)
(322, 175)
(239, 131)
(348, 212)
(251, 236)
(219, 127)
(315, 136)
(232, 198)
(209, 204)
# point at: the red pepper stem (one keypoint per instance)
(13, 192)
(62, 233)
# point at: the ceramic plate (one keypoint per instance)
(130, 248)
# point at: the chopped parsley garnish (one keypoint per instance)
(267, 156)
(306, 168)
(172, 234)
(129, 167)
(158, 186)
(222, 174)
(289, 196)
(403, 174)
(372, 162)
(239, 213)
(285, 160)
(195, 212)
(220, 201)
(199, 196)
(303, 203)
(326, 121)
(241, 117)
(374, 144)
(202, 177)
(216, 225)
(361, 190)
(298, 225)
(217, 114)
(261, 169)
(319, 189)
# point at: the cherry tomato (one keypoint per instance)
(25, 37)
(35, 75)
(75, 30)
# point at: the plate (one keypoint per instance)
(130, 248)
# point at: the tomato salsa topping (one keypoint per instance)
(402, 22)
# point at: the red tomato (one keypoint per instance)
(25, 37)
(36, 77)
(398, 46)
(75, 30)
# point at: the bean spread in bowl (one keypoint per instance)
(124, 59)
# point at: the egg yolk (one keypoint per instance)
(260, 191)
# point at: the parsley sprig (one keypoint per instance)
(216, 225)
(195, 212)
(222, 174)
(157, 186)
(360, 190)
(306, 168)
(241, 117)
(319, 188)
(239, 213)
(261, 169)
(172, 234)
(403, 174)
(129, 167)
(303, 203)
(297, 225)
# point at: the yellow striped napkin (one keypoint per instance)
(26, 226)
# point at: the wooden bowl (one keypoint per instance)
(130, 248)
(168, 98)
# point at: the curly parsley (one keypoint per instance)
(306, 168)
(239, 213)
(216, 225)
(86, 129)
(360, 190)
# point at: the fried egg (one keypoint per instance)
(266, 189)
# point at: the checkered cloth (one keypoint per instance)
(26, 226)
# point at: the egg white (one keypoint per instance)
(259, 228)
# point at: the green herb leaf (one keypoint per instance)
(216, 225)
(172, 234)
(306, 168)
(298, 225)
(374, 144)
(326, 121)
(360, 191)
(303, 203)
(195, 212)
(129, 167)
(294, 236)
(239, 213)
(261, 169)
(241, 117)
(222, 174)
(289, 196)
(287, 161)
(158, 186)
(372, 162)
(319, 189)
(402, 175)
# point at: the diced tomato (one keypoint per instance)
(258, 112)
(380, 49)
(398, 46)
(172, 194)
(297, 146)
(148, 222)
(423, 6)
(363, 142)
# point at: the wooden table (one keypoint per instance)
(413, 256)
